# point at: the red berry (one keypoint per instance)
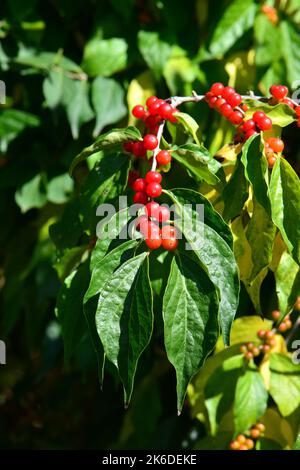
(298, 122)
(152, 121)
(276, 144)
(153, 177)
(226, 110)
(279, 91)
(170, 244)
(168, 231)
(165, 111)
(245, 107)
(249, 125)
(173, 118)
(258, 115)
(227, 91)
(212, 101)
(265, 123)
(208, 95)
(219, 103)
(234, 100)
(217, 88)
(271, 161)
(297, 109)
(250, 133)
(151, 100)
(140, 198)
(150, 142)
(261, 334)
(153, 243)
(154, 190)
(127, 147)
(138, 111)
(142, 223)
(236, 117)
(132, 176)
(138, 149)
(164, 214)
(275, 314)
(154, 108)
(149, 229)
(152, 209)
(139, 185)
(288, 102)
(163, 157)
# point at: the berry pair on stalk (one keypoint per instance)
(157, 110)
(273, 147)
(246, 441)
(147, 187)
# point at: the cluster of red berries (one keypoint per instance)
(279, 95)
(148, 226)
(147, 187)
(273, 147)
(245, 441)
(225, 100)
(157, 110)
(259, 122)
(139, 148)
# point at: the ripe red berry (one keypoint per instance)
(153, 243)
(236, 117)
(139, 185)
(165, 111)
(140, 198)
(234, 100)
(250, 133)
(212, 101)
(168, 231)
(266, 348)
(258, 115)
(226, 110)
(152, 209)
(208, 95)
(142, 223)
(132, 176)
(297, 109)
(279, 91)
(154, 190)
(153, 177)
(265, 123)
(164, 214)
(271, 161)
(170, 244)
(276, 144)
(127, 147)
(138, 111)
(245, 107)
(151, 100)
(219, 103)
(138, 149)
(154, 108)
(163, 157)
(149, 229)
(217, 88)
(261, 334)
(227, 91)
(150, 142)
(249, 125)
(288, 102)
(298, 122)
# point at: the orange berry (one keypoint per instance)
(243, 349)
(254, 433)
(282, 327)
(241, 439)
(234, 445)
(260, 426)
(276, 314)
(249, 355)
(249, 444)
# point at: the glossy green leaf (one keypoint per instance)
(209, 245)
(76, 102)
(53, 86)
(46, 61)
(12, 123)
(250, 400)
(291, 50)
(287, 278)
(236, 20)
(111, 140)
(154, 51)
(198, 161)
(60, 188)
(190, 308)
(220, 388)
(190, 125)
(104, 183)
(285, 203)
(104, 56)
(32, 194)
(108, 101)
(69, 309)
(235, 193)
(268, 41)
(261, 235)
(285, 383)
(256, 170)
(124, 318)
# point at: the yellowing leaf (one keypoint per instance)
(140, 88)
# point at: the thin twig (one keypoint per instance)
(155, 151)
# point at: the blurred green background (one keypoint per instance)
(71, 69)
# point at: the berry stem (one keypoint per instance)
(156, 150)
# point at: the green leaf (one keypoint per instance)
(237, 19)
(285, 383)
(154, 51)
(281, 114)
(220, 388)
(284, 193)
(104, 56)
(32, 194)
(189, 124)
(53, 87)
(190, 308)
(69, 309)
(111, 140)
(198, 161)
(76, 102)
(261, 235)
(256, 170)
(66, 232)
(250, 400)
(287, 278)
(108, 101)
(104, 183)
(235, 193)
(291, 49)
(59, 189)
(268, 41)
(46, 61)
(208, 244)
(124, 318)
(12, 123)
